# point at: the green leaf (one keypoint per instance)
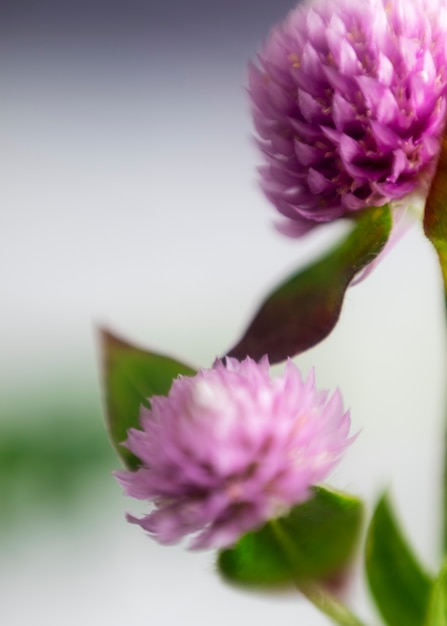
(315, 540)
(435, 227)
(131, 377)
(302, 311)
(437, 608)
(398, 583)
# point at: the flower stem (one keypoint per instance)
(328, 604)
(444, 461)
(442, 253)
(435, 228)
(320, 597)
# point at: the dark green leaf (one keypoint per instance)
(303, 310)
(437, 609)
(316, 540)
(399, 585)
(131, 377)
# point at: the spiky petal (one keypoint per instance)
(349, 103)
(231, 448)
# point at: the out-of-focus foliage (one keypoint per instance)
(53, 454)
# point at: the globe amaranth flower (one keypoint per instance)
(231, 448)
(349, 102)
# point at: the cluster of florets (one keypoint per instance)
(349, 102)
(230, 449)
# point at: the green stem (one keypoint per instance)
(444, 469)
(440, 246)
(435, 228)
(320, 597)
(328, 604)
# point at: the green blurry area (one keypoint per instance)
(55, 456)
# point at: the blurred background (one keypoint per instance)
(129, 199)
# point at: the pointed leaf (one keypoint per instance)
(398, 583)
(315, 540)
(303, 310)
(437, 609)
(131, 376)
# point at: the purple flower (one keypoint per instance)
(231, 448)
(349, 102)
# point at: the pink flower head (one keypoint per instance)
(230, 448)
(349, 102)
